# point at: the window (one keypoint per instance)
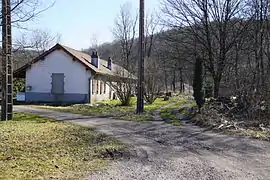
(93, 86)
(105, 87)
(97, 86)
(101, 87)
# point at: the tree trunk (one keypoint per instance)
(216, 86)
(166, 81)
(182, 86)
(237, 83)
(173, 83)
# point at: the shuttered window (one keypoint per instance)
(97, 86)
(93, 86)
(105, 87)
(101, 87)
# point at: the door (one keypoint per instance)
(58, 85)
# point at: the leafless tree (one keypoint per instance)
(23, 11)
(215, 26)
(38, 40)
(31, 44)
(123, 84)
(152, 78)
(125, 33)
(259, 35)
(94, 42)
(152, 68)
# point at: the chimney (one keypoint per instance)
(109, 66)
(95, 59)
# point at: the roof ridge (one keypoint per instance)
(81, 56)
(67, 47)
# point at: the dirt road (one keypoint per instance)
(165, 152)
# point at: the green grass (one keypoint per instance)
(170, 117)
(33, 147)
(174, 122)
(113, 109)
(167, 115)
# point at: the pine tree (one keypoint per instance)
(198, 83)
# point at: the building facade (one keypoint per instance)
(62, 74)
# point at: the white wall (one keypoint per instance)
(76, 76)
(101, 96)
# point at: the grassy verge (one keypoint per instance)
(33, 147)
(171, 113)
(257, 134)
(170, 117)
(113, 109)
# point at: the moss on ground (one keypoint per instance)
(33, 147)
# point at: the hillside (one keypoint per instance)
(172, 67)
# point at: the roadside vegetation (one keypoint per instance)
(222, 114)
(37, 147)
(113, 108)
(230, 116)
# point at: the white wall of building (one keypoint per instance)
(98, 96)
(76, 75)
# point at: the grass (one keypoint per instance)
(33, 147)
(113, 109)
(257, 134)
(170, 117)
(248, 131)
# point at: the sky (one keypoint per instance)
(78, 20)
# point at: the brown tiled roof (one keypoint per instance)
(83, 58)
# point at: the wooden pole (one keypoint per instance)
(140, 86)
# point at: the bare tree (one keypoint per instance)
(32, 44)
(123, 84)
(152, 77)
(152, 70)
(38, 40)
(125, 33)
(259, 35)
(94, 42)
(23, 11)
(215, 25)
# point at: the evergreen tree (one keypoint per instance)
(198, 83)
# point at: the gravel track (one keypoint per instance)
(163, 151)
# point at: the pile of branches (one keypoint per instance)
(239, 112)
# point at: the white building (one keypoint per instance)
(62, 74)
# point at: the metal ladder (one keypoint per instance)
(7, 64)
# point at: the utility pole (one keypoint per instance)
(140, 86)
(7, 65)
